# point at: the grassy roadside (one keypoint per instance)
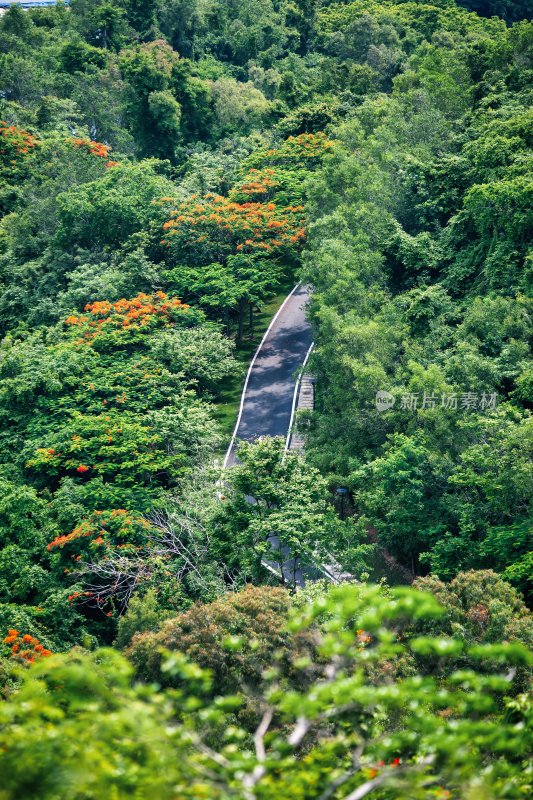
(229, 396)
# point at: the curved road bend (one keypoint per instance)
(266, 403)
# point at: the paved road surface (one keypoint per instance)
(267, 397)
(268, 393)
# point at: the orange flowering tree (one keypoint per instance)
(101, 531)
(227, 253)
(208, 229)
(24, 647)
(126, 323)
(119, 456)
(257, 185)
(123, 419)
(280, 184)
(279, 174)
(16, 148)
(16, 144)
(97, 149)
(89, 554)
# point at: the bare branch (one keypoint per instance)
(249, 781)
(302, 724)
(383, 777)
(338, 782)
(299, 731)
(259, 736)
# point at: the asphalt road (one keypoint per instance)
(267, 398)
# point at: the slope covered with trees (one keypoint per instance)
(425, 211)
(166, 169)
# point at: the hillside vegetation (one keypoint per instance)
(167, 169)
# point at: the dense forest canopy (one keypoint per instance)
(167, 168)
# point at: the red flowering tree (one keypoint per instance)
(127, 425)
(114, 416)
(25, 648)
(119, 454)
(88, 555)
(258, 185)
(100, 533)
(208, 229)
(107, 325)
(95, 149)
(229, 252)
(279, 174)
(16, 146)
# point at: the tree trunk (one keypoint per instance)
(251, 311)
(241, 320)
(227, 321)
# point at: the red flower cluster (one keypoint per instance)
(82, 530)
(15, 145)
(100, 526)
(373, 771)
(258, 183)
(221, 226)
(142, 311)
(96, 149)
(75, 595)
(13, 139)
(25, 647)
(363, 637)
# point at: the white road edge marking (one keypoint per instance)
(295, 396)
(252, 362)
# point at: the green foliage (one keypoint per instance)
(204, 150)
(143, 614)
(69, 691)
(142, 15)
(291, 522)
(352, 725)
(431, 230)
(107, 212)
(233, 637)
(480, 607)
(101, 22)
(77, 56)
(154, 113)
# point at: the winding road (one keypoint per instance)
(267, 397)
(267, 405)
(268, 394)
